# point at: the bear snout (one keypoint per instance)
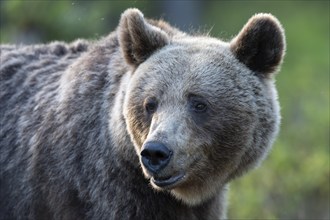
(155, 156)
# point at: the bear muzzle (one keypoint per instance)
(155, 156)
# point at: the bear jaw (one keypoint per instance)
(188, 190)
(196, 195)
(185, 188)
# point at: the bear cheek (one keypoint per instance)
(229, 141)
(137, 124)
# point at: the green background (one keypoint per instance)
(293, 182)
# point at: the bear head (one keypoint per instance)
(200, 111)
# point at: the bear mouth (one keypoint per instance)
(168, 181)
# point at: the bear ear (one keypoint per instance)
(137, 38)
(261, 44)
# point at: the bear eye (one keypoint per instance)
(150, 105)
(197, 103)
(199, 107)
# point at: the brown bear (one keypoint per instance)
(146, 123)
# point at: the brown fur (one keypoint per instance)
(74, 121)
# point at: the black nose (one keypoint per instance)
(155, 156)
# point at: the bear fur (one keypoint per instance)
(76, 121)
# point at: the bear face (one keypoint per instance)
(200, 111)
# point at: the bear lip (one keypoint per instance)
(168, 181)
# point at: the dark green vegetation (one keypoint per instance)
(293, 183)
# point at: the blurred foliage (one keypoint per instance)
(293, 182)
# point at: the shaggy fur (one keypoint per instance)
(74, 120)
